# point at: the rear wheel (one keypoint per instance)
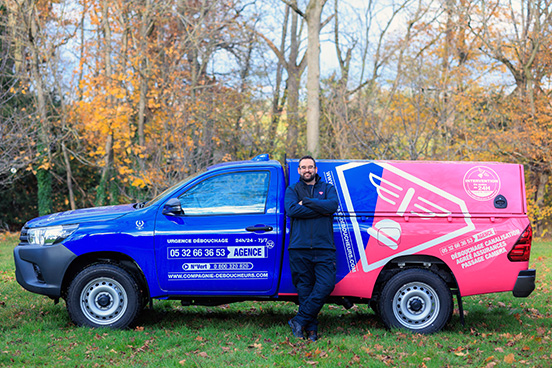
(417, 300)
(104, 295)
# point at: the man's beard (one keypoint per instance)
(308, 180)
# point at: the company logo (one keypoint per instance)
(139, 225)
(481, 183)
(407, 196)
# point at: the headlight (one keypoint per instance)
(50, 235)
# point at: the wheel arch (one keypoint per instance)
(402, 263)
(114, 258)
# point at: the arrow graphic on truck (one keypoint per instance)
(404, 195)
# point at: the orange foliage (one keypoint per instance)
(157, 57)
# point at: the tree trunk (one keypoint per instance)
(313, 14)
(43, 176)
(294, 72)
(145, 28)
(103, 195)
(103, 192)
(542, 179)
(69, 176)
(276, 100)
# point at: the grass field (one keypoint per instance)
(500, 331)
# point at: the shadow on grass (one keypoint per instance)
(335, 321)
(493, 320)
(257, 315)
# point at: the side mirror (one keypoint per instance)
(173, 208)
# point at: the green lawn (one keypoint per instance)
(500, 331)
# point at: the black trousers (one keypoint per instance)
(313, 275)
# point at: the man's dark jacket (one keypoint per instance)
(312, 222)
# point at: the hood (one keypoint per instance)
(82, 215)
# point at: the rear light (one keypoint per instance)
(522, 249)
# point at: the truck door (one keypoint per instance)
(226, 240)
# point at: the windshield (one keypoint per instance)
(170, 189)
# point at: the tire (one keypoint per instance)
(417, 300)
(104, 295)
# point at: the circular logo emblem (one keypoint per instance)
(481, 183)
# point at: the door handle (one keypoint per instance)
(259, 228)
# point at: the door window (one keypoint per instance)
(227, 194)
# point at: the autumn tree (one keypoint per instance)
(518, 37)
(350, 98)
(151, 111)
(37, 33)
(289, 58)
(17, 133)
(389, 115)
(313, 17)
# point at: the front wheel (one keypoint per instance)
(104, 295)
(417, 300)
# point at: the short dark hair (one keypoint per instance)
(307, 157)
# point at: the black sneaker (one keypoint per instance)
(312, 335)
(296, 329)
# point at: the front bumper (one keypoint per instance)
(40, 269)
(525, 283)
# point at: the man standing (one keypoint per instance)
(310, 203)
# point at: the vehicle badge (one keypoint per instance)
(139, 225)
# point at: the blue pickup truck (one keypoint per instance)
(409, 237)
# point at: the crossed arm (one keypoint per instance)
(310, 207)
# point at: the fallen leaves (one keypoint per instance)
(142, 349)
(510, 359)
(459, 351)
(534, 313)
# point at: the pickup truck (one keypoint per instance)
(409, 237)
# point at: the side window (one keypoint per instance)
(228, 194)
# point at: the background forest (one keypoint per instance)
(111, 101)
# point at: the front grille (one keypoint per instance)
(23, 236)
